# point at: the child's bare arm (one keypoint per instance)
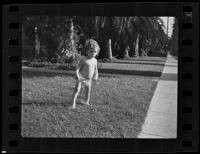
(96, 74)
(78, 67)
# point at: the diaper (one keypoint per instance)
(84, 81)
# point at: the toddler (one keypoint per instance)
(86, 71)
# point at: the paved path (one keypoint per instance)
(161, 120)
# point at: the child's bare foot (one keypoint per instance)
(73, 107)
(83, 102)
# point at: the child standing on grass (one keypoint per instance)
(86, 71)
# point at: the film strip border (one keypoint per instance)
(187, 62)
(12, 80)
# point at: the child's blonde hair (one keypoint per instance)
(91, 44)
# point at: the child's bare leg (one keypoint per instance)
(75, 94)
(87, 94)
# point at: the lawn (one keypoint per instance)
(118, 105)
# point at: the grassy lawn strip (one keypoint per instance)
(118, 107)
(141, 64)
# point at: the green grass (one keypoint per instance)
(118, 107)
(152, 64)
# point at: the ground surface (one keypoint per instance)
(118, 105)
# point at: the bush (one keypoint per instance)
(63, 62)
(73, 59)
(40, 63)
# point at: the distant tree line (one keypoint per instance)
(55, 37)
(174, 39)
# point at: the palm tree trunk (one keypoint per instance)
(132, 50)
(72, 37)
(109, 49)
(137, 45)
(37, 43)
(126, 53)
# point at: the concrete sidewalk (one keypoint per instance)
(161, 120)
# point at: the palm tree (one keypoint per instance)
(122, 33)
(104, 33)
(32, 31)
(150, 34)
(174, 39)
(125, 33)
(134, 33)
(143, 30)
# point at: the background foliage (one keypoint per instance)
(61, 38)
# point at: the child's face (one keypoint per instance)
(92, 53)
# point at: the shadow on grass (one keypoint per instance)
(131, 62)
(40, 72)
(67, 104)
(171, 65)
(169, 77)
(145, 59)
(35, 72)
(130, 72)
(49, 103)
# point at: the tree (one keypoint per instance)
(118, 36)
(57, 35)
(151, 35)
(137, 35)
(174, 39)
(108, 32)
(104, 32)
(124, 31)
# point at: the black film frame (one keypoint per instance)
(188, 75)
